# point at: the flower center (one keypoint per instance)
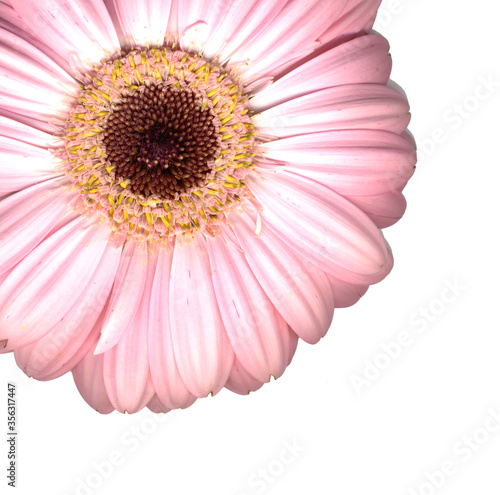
(160, 142)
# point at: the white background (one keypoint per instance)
(411, 418)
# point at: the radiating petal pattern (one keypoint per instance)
(197, 20)
(352, 106)
(126, 296)
(23, 165)
(202, 349)
(299, 291)
(189, 187)
(77, 30)
(322, 226)
(242, 22)
(258, 334)
(169, 386)
(38, 291)
(363, 60)
(350, 162)
(18, 131)
(144, 22)
(126, 366)
(19, 234)
(299, 23)
(71, 338)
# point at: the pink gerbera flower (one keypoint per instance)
(190, 186)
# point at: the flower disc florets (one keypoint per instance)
(160, 142)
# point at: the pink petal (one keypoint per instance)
(291, 35)
(242, 23)
(23, 165)
(88, 376)
(202, 349)
(322, 226)
(31, 82)
(345, 293)
(349, 162)
(167, 380)
(155, 405)
(126, 365)
(35, 121)
(126, 296)
(80, 28)
(144, 22)
(26, 134)
(240, 381)
(38, 291)
(260, 337)
(197, 20)
(63, 347)
(362, 60)
(27, 217)
(353, 106)
(384, 209)
(357, 17)
(11, 21)
(299, 291)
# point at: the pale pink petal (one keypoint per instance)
(260, 337)
(384, 209)
(345, 293)
(322, 226)
(350, 162)
(31, 82)
(155, 405)
(357, 17)
(35, 121)
(299, 291)
(26, 134)
(353, 106)
(173, 21)
(197, 20)
(202, 350)
(144, 22)
(11, 21)
(67, 217)
(291, 35)
(88, 376)
(240, 381)
(79, 29)
(27, 217)
(363, 60)
(63, 347)
(242, 23)
(126, 365)
(22, 165)
(167, 380)
(127, 294)
(50, 279)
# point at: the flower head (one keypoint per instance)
(189, 187)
